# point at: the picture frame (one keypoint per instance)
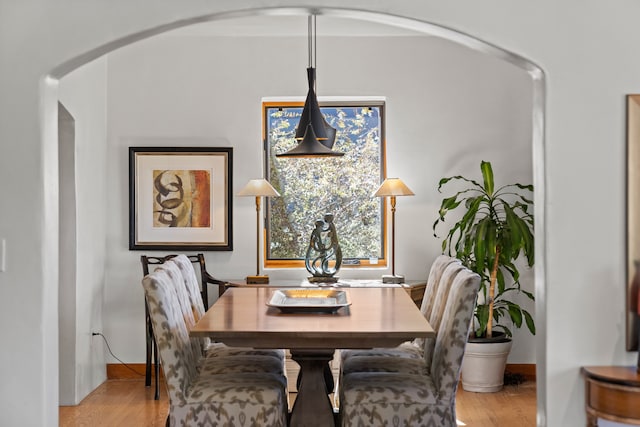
(180, 198)
(632, 298)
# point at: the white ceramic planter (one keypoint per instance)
(483, 366)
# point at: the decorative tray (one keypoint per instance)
(309, 300)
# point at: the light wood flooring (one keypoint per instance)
(128, 403)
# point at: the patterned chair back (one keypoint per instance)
(171, 333)
(193, 292)
(453, 333)
(191, 285)
(178, 281)
(439, 302)
(433, 282)
(200, 283)
(193, 309)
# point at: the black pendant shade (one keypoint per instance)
(331, 137)
(310, 147)
(311, 114)
(314, 133)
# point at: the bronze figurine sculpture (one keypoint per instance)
(324, 256)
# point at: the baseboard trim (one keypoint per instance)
(119, 371)
(527, 370)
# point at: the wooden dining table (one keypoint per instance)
(375, 317)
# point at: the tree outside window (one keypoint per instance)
(310, 188)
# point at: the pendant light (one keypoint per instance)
(314, 133)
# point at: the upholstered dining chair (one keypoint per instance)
(392, 398)
(408, 362)
(439, 266)
(203, 289)
(241, 361)
(441, 277)
(214, 349)
(197, 398)
(196, 262)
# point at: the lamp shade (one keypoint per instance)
(310, 147)
(311, 112)
(393, 187)
(316, 136)
(257, 188)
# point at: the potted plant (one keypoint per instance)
(495, 229)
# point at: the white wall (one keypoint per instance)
(83, 93)
(586, 49)
(67, 260)
(448, 107)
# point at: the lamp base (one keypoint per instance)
(254, 280)
(387, 278)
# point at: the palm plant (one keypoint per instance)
(495, 229)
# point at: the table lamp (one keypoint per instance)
(258, 188)
(392, 187)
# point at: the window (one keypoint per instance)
(310, 188)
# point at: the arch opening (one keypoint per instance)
(537, 119)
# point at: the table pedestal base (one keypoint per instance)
(312, 406)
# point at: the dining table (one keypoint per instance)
(312, 324)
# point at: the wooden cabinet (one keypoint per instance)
(415, 289)
(612, 393)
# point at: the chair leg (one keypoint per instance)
(157, 368)
(152, 353)
(149, 344)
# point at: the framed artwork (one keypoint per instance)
(180, 198)
(632, 309)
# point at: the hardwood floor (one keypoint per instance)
(125, 403)
(514, 405)
(128, 403)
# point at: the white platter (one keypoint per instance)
(309, 300)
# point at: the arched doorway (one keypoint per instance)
(535, 72)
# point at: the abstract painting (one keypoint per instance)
(179, 198)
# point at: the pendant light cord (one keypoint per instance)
(313, 48)
(309, 41)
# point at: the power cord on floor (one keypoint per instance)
(114, 356)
